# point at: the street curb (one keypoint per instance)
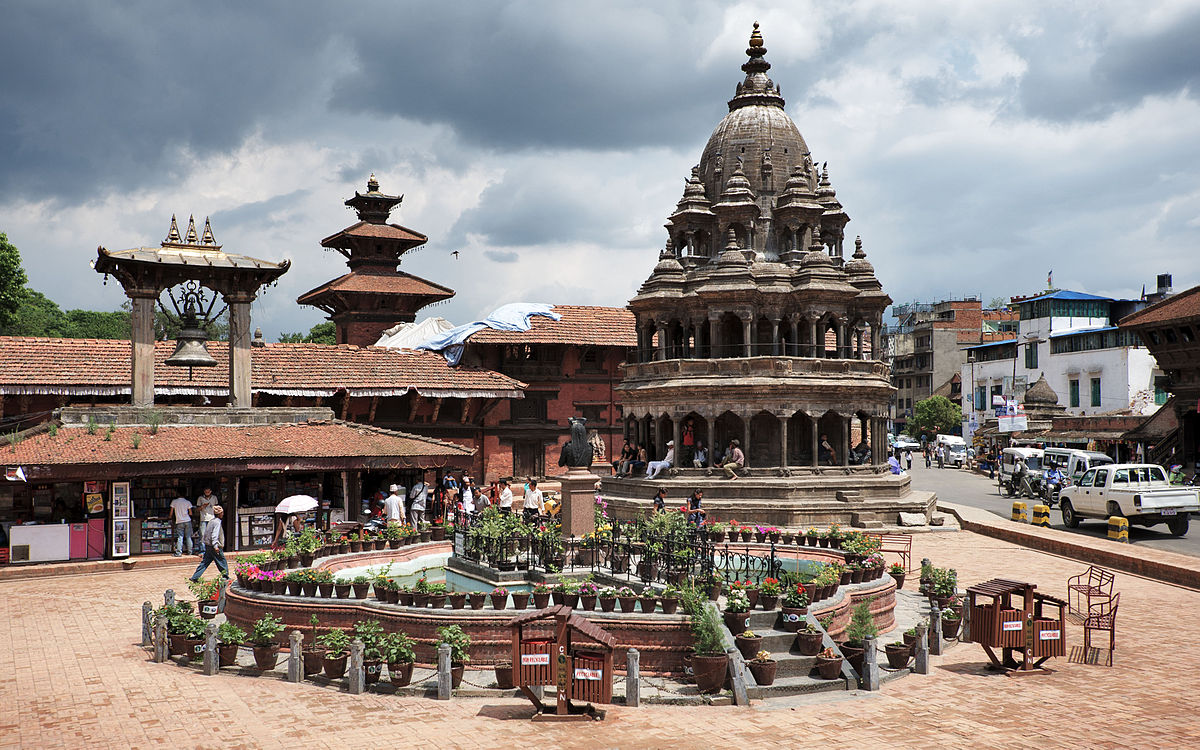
(1168, 567)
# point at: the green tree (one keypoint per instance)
(12, 281)
(36, 315)
(91, 324)
(933, 415)
(321, 333)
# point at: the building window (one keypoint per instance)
(980, 398)
(1031, 356)
(591, 361)
(528, 409)
(1095, 391)
(997, 390)
(1074, 393)
(1160, 394)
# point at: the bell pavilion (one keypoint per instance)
(754, 327)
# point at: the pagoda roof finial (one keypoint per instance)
(206, 237)
(190, 237)
(372, 184)
(173, 232)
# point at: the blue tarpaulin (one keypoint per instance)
(511, 317)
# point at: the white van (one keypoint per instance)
(1073, 462)
(1031, 457)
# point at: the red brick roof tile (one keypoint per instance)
(1174, 308)
(102, 366)
(377, 231)
(580, 325)
(398, 283)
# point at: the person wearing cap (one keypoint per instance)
(735, 459)
(393, 505)
(654, 468)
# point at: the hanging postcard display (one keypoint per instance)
(121, 511)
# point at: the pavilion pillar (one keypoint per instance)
(783, 441)
(239, 348)
(662, 339)
(847, 424)
(814, 349)
(814, 438)
(142, 343)
(713, 338)
(775, 336)
(746, 440)
(677, 421)
(746, 341)
(712, 440)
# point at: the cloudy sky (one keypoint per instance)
(976, 146)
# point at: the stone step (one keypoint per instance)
(793, 664)
(776, 640)
(796, 685)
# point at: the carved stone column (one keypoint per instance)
(661, 327)
(746, 439)
(783, 441)
(847, 423)
(714, 338)
(712, 438)
(815, 348)
(814, 438)
(775, 336)
(746, 340)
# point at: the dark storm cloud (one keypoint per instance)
(104, 95)
(1096, 73)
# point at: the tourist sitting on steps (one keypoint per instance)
(639, 462)
(735, 459)
(700, 456)
(654, 468)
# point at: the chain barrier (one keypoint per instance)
(664, 688)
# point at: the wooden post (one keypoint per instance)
(935, 632)
(212, 663)
(443, 676)
(357, 679)
(161, 649)
(295, 665)
(964, 633)
(147, 625)
(921, 660)
(633, 674)
(869, 679)
(239, 348)
(142, 342)
(562, 676)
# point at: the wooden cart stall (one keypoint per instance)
(1015, 619)
(577, 661)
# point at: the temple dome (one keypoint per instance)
(1041, 393)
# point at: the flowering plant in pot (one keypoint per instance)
(193, 638)
(264, 635)
(541, 596)
(897, 572)
(763, 667)
(709, 661)
(627, 598)
(808, 639)
(768, 593)
(795, 607)
(607, 598)
(951, 622)
(394, 534)
(711, 583)
(716, 530)
(812, 536)
(231, 637)
(747, 642)
(648, 599)
(829, 664)
(398, 650)
(361, 586)
(206, 593)
(499, 597)
(460, 645)
(588, 592)
(736, 608)
(336, 643)
(833, 537)
(476, 599)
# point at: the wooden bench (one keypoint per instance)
(897, 544)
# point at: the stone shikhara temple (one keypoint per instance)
(754, 327)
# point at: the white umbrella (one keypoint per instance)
(296, 504)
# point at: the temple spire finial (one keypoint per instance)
(206, 238)
(190, 237)
(372, 184)
(173, 232)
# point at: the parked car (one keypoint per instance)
(1007, 476)
(905, 443)
(1139, 492)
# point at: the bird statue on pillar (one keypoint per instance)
(577, 452)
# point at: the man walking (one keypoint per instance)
(213, 536)
(181, 509)
(506, 497)
(205, 504)
(735, 459)
(535, 501)
(419, 494)
(393, 505)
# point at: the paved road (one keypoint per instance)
(977, 491)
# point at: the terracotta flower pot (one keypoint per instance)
(372, 669)
(342, 589)
(361, 590)
(541, 601)
(760, 536)
(628, 603)
(456, 674)
(400, 673)
(897, 655)
(394, 543)
(175, 645)
(420, 599)
(306, 559)
(812, 540)
(498, 600)
(438, 533)
(854, 655)
(437, 601)
(856, 575)
(194, 648)
(334, 666)
(227, 654)
(950, 627)
(208, 609)
(792, 618)
(294, 588)
(587, 602)
(458, 600)
(829, 669)
(520, 600)
(426, 534)
(763, 671)
(266, 657)
(356, 546)
(748, 646)
(476, 599)
(325, 589)
(737, 622)
(649, 603)
(405, 598)
(809, 644)
(899, 579)
(504, 676)
(710, 670)
(768, 601)
(279, 587)
(313, 661)
(607, 603)
(559, 597)
(670, 605)
(309, 588)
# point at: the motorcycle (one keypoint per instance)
(1050, 490)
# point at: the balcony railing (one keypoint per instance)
(752, 366)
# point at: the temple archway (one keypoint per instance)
(764, 439)
(833, 426)
(698, 427)
(732, 343)
(800, 440)
(730, 427)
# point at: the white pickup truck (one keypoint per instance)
(1139, 492)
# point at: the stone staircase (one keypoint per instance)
(795, 673)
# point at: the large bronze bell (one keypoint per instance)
(189, 345)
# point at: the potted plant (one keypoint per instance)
(178, 615)
(829, 664)
(342, 588)
(336, 643)
(897, 572)
(437, 595)
(370, 632)
(716, 531)
(795, 607)
(231, 637)
(504, 675)
(361, 586)
(404, 597)
(671, 596)
(910, 637)
(736, 608)
(458, 599)
(520, 599)
(944, 586)
(647, 567)
(587, 595)
(460, 644)
(951, 621)
(398, 650)
(206, 593)
(607, 598)
(263, 636)
(746, 533)
(627, 598)
(541, 596)
(421, 592)
(648, 599)
(748, 643)
(499, 597)
(426, 532)
(812, 536)
(314, 654)
(834, 536)
(393, 534)
(862, 625)
(809, 639)
(709, 661)
(711, 584)
(437, 532)
(897, 654)
(476, 599)
(193, 638)
(763, 667)
(768, 593)
(356, 542)
(926, 577)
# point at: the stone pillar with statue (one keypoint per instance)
(579, 483)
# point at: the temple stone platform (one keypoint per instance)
(859, 496)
